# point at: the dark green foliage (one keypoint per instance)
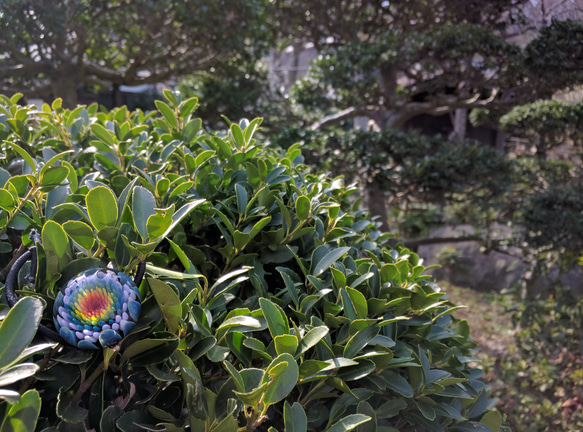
(223, 86)
(407, 165)
(551, 120)
(392, 61)
(555, 56)
(270, 299)
(545, 365)
(54, 49)
(553, 217)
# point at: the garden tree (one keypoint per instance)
(55, 48)
(392, 61)
(546, 196)
(546, 124)
(235, 91)
(416, 171)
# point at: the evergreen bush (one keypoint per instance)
(270, 301)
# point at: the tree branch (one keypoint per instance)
(28, 91)
(424, 241)
(346, 114)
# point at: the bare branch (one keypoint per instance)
(424, 241)
(348, 113)
(102, 72)
(29, 91)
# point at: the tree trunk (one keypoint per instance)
(293, 72)
(460, 121)
(116, 96)
(500, 141)
(65, 87)
(376, 201)
(541, 148)
(375, 197)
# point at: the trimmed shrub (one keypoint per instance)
(270, 302)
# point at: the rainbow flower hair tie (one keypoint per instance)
(97, 308)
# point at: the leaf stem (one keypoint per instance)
(307, 397)
(85, 385)
(33, 190)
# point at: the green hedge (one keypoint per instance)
(270, 302)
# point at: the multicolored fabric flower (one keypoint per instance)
(97, 307)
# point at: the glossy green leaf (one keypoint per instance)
(162, 186)
(102, 134)
(242, 198)
(167, 112)
(426, 410)
(471, 427)
(397, 383)
(203, 157)
(239, 323)
(391, 408)
(56, 245)
(237, 378)
(196, 401)
(53, 175)
(202, 347)
(240, 240)
(181, 213)
(189, 164)
(256, 229)
(192, 128)
(23, 415)
(359, 302)
(10, 396)
(348, 423)
(280, 376)
(7, 201)
(18, 328)
(294, 418)
(101, 207)
(169, 303)
(171, 97)
(24, 155)
(69, 410)
(218, 353)
(357, 372)
(237, 134)
(150, 350)
(188, 106)
(257, 346)
(108, 236)
(311, 338)
(17, 372)
(80, 233)
(303, 208)
(275, 317)
(253, 397)
(359, 340)
(143, 206)
(285, 344)
(157, 224)
(109, 417)
(327, 260)
(71, 177)
(235, 343)
(250, 128)
(493, 420)
(390, 272)
(480, 405)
